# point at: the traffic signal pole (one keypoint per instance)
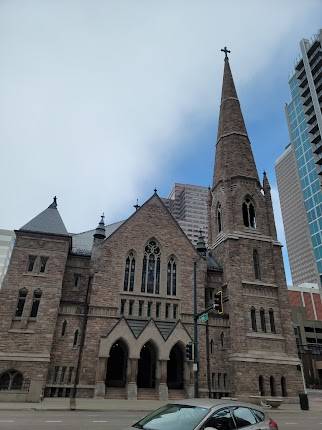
(195, 333)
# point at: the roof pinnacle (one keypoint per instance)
(53, 205)
(226, 51)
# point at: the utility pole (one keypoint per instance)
(208, 360)
(195, 335)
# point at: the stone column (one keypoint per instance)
(188, 377)
(132, 370)
(163, 387)
(100, 377)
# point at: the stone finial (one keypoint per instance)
(53, 205)
(100, 229)
(201, 245)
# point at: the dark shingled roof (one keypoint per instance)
(48, 221)
(137, 326)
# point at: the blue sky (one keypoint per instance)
(100, 102)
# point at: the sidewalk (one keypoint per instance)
(59, 404)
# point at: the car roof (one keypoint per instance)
(214, 403)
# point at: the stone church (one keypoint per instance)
(113, 319)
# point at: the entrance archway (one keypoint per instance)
(146, 366)
(175, 367)
(117, 365)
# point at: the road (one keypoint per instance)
(118, 420)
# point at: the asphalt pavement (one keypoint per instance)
(119, 420)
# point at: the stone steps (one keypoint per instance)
(176, 394)
(115, 393)
(148, 394)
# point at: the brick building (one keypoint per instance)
(115, 317)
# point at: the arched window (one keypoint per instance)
(76, 336)
(129, 272)
(172, 277)
(35, 303)
(219, 217)
(11, 380)
(272, 320)
(63, 328)
(263, 320)
(21, 302)
(249, 213)
(256, 264)
(283, 386)
(253, 319)
(261, 386)
(211, 346)
(272, 386)
(222, 336)
(151, 268)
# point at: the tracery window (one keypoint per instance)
(129, 272)
(11, 380)
(31, 262)
(249, 213)
(21, 302)
(151, 268)
(172, 277)
(219, 217)
(256, 264)
(35, 303)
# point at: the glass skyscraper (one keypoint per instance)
(304, 117)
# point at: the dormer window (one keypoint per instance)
(249, 213)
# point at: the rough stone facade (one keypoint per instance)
(116, 322)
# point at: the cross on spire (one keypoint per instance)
(226, 51)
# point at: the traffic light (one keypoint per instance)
(189, 351)
(218, 306)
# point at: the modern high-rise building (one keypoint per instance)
(7, 240)
(188, 204)
(302, 163)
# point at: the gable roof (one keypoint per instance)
(48, 221)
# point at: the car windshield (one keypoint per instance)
(173, 417)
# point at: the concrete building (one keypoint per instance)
(7, 240)
(297, 233)
(188, 204)
(115, 321)
(301, 163)
(306, 305)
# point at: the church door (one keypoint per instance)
(175, 368)
(117, 365)
(146, 366)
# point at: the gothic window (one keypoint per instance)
(62, 374)
(31, 262)
(172, 277)
(21, 302)
(261, 387)
(272, 386)
(70, 375)
(249, 213)
(131, 303)
(256, 264)
(211, 346)
(141, 302)
(175, 311)
(63, 328)
(76, 336)
(151, 268)
(263, 320)
(283, 386)
(11, 380)
(158, 307)
(222, 337)
(43, 263)
(167, 310)
(122, 306)
(272, 320)
(77, 279)
(219, 217)
(129, 272)
(253, 319)
(35, 303)
(149, 309)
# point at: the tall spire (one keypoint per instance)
(234, 156)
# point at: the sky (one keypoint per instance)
(103, 101)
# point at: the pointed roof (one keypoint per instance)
(48, 221)
(234, 155)
(100, 229)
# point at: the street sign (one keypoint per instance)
(203, 318)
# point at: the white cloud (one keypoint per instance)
(95, 96)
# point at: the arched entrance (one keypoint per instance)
(175, 367)
(117, 365)
(146, 366)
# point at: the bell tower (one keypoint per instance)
(243, 239)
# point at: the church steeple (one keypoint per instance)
(234, 155)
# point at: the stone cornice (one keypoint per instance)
(252, 235)
(258, 357)
(21, 356)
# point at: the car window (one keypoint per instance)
(173, 417)
(260, 416)
(243, 417)
(221, 420)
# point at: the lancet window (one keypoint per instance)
(172, 277)
(129, 272)
(249, 213)
(219, 217)
(151, 268)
